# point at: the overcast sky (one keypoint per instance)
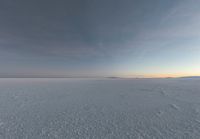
(131, 38)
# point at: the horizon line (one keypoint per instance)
(111, 77)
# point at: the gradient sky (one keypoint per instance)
(129, 38)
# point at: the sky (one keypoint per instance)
(95, 38)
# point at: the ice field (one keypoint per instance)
(99, 108)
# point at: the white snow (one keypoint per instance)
(99, 108)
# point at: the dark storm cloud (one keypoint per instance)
(71, 27)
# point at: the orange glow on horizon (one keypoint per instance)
(159, 75)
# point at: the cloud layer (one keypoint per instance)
(112, 36)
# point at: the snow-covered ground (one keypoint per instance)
(99, 108)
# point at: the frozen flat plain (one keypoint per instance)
(99, 108)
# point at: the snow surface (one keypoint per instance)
(99, 108)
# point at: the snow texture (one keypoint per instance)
(99, 108)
